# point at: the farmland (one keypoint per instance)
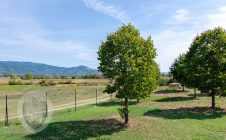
(61, 96)
(5, 81)
(167, 113)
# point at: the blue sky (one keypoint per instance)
(68, 32)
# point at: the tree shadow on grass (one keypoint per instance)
(199, 113)
(79, 129)
(107, 104)
(198, 95)
(115, 103)
(174, 99)
(168, 91)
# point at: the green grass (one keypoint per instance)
(4, 88)
(60, 94)
(157, 117)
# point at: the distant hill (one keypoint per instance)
(20, 68)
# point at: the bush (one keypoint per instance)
(13, 76)
(171, 80)
(91, 76)
(68, 82)
(47, 83)
(28, 76)
(65, 82)
(14, 82)
(28, 83)
(64, 77)
(74, 77)
(164, 81)
(52, 83)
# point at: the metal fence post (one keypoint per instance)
(6, 112)
(75, 100)
(46, 105)
(96, 96)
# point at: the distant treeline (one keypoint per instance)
(29, 76)
(30, 79)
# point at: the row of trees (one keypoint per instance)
(29, 76)
(203, 67)
(127, 59)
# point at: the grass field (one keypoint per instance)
(166, 114)
(59, 94)
(5, 81)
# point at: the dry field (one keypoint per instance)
(61, 96)
(5, 81)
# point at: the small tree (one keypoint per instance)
(127, 60)
(206, 61)
(28, 76)
(178, 70)
(13, 76)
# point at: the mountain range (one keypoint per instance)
(20, 68)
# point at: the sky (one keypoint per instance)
(68, 32)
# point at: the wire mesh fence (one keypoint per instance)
(61, 97)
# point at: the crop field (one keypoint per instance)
(61, 96)
(166, 114)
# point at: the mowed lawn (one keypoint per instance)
(166, 114)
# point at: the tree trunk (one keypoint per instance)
(126, 111)
(195, 95)
(213, 100)
(183, 88)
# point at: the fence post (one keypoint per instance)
(110, 97)
(96, 96)
(75, 99)
(46, 105)
(195, 93)
(6, 112)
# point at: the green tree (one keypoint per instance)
(13, 76)
(206, 61)
(178, 70)
(127, 60)
(28, 76)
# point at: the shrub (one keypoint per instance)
(74, 77)
(164, 81)
(91, 76)
(68, 82)
(13, 76)
(171, 80)
(47, 83)
(65, 82)
(14, 82)
(28, 83)
(51, 83)
(28, 76)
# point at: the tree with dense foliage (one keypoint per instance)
(206, 62)
(178, 70)
(28, 76)
(127, 60)
(13, 76)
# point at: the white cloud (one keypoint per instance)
(22, 32)
(38, 43)
(179, 16)
(170, 44)
(107, 9)
(218, 18)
